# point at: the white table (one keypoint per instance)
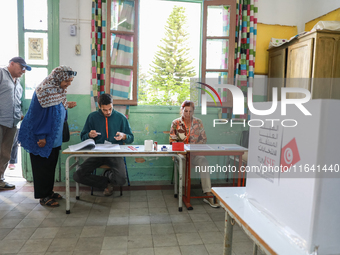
(263, 231)
(125, 151)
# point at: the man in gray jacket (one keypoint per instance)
(10, 111)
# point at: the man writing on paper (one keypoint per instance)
(104, 126)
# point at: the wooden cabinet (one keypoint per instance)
(311, 61)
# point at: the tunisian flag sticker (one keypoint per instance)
(290, 154)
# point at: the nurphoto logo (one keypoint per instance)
(239, 109)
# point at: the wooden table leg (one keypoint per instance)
(187, 186)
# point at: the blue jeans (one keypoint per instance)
(14, 153)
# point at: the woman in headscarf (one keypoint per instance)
(42, 128)
(190, 130)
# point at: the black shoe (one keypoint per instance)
(7, 186)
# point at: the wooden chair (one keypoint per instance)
(108, 169)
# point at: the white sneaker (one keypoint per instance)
(210, 201)
(108, 191)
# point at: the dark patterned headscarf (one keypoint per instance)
(49, 92)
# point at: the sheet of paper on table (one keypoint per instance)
(197, 147)
(89, 144)
(106, 146)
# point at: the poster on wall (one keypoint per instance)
(267, 150)
(35, 48)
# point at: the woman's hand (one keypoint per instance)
(41, 143)
(71, 104)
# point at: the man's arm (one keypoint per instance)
(84, 135)
(126, 129)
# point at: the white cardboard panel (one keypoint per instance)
(302, 207)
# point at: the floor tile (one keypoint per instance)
(160, 218)
(189, 239)
(63, 244)
(167, 250)
(139, 211)
(160, 229)
(115, 242)
(184, 227)
(200, 217)
(139, 230)
(118, 220)
(139, 219)
(69, 232)
(116, 230)
(180, 218)
(214, 249)
(212, 237)
(206, 226)
(9, 223)
(42, 233)
(11, 246)
(93, 244)
(36, 245)
(193, 250)
(161, 240)
(144, 241)
(141, 251)
(93, 231)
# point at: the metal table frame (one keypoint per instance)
(217, 150)
(124, 152)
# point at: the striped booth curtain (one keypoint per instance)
(98, 50)
(245, 47)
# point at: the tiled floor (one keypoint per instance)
(143, 221)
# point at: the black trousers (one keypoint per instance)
(44, 172)
(117, 175)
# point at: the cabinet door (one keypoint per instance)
(299, 66)
(276, 72)
(326, 66)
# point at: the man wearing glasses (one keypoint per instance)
(10, 111)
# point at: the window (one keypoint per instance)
(217, 45)
(121, 65)
(38, 41)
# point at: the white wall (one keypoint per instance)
(294, 12)
(68, 14)
(8, 16)
(316, 8)
(274, 12)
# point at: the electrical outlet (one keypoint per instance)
(73, 30)
(78, 49)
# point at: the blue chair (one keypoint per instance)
(108, 169)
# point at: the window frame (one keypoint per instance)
(231, 38)
(53, 41)
(203, 49)
(134, 66)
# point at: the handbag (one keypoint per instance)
(66, 132)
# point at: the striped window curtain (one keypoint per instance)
(245, 47)
(98, 50)
(122, 15)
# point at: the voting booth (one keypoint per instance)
(293, 173)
